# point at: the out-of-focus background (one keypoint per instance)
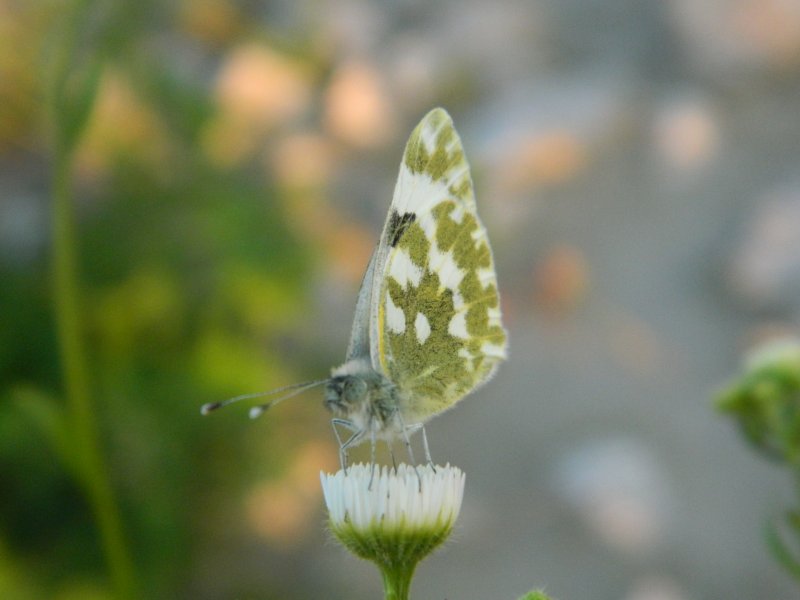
(637, 165)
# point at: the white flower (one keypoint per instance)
(406, 498)
(393, 517)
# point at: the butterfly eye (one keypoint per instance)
(354, 389)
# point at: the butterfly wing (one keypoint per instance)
(435, 326)
(359, 346)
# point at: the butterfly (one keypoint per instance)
(427, 328)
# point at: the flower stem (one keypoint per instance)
(72, 79)
(92, 470)
(397, 581)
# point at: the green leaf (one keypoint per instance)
(74, 65)
(50, 421)
(74, 101)
(15, 580)
(785, 554)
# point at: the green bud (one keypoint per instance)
(765, 400)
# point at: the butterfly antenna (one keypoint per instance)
(297, 387)
(259, 410)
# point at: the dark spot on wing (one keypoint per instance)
(398, 225)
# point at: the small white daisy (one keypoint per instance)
(393, 517)
(425, 498)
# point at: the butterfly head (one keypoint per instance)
(344, 392)
(357, 393)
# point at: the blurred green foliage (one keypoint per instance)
(189, 279)
(535, 595)
(765, 401)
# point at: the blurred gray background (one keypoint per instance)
(637, 165)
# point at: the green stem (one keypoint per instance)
(397, 581)
(93, 470)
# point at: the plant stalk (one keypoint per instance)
(396, 582)
(93, 471)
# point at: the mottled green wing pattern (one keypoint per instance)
(438, 333)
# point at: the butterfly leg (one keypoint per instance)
(343, 423)
(371, 458)
(427, 448)
(405, 429)
(353, 440)
(391, 453)
(412, 429)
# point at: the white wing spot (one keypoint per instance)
(458, 326)
(450, 275)
(468, 359)
(458, 300)
(418, 193)
(493, 350)
(422, 327)
(403, 268)
(429, 137)
(457, 214)
(428, 225)
(478, 234)
(395, 319)
(486, 276)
